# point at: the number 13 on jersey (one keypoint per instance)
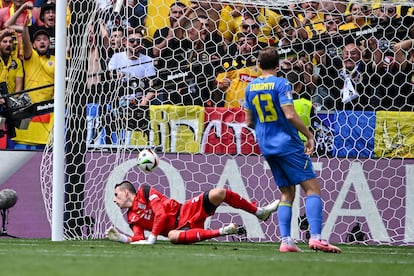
(267, 113)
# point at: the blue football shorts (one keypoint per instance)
(291, 169)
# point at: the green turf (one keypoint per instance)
(102, 257)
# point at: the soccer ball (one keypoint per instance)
(147, 160)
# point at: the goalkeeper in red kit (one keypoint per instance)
(182, 223)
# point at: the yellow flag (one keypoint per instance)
(177, 128)
(394, 134)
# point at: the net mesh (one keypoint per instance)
(349, 61)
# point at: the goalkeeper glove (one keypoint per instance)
(114, 235)
(151, 240)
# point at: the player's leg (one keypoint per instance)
(186, 236)
(191, 235)
(284, 215)
(281, 174)
(217, 196)
(193, 214)
(313, 207)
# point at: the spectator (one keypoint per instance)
(332, 23)
(232, 18)
(291, 66)
(39, 68)
(358, 18)
(45, 20)
(188, 67)
(49, 7)
(137, 12)
(163, 36)
(211, 9)
(5, 3)
(11, 68)
(113, 19)
(117, 42)
(133, 73)
(333, 7)
(132, 65)
(46, 5)
(250, 25)
(321, 59)
(404, 62)
(387, 77)
(232, 83)
(37, 53)
(348, 80)
(11, 75)
(387, 12)
(15, 17)
(214, 43)
(97, 64)
(288, 33)
(311, 18)
(111, 42)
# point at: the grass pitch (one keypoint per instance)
(102, 257)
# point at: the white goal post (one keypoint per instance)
(362, 117)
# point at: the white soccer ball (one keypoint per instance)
(147, 160)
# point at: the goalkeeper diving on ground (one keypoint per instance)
(182, 223)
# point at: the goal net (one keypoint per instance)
(171, 77)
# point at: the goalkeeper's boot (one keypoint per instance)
(285, 247)
(234, 228)
(322, 245)
(268, 210)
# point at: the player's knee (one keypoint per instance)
(311, 187)
(173, 236)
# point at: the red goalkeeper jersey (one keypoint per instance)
(153, 211)
(157, 214)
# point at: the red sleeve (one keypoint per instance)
(160, 214)
(138, 233)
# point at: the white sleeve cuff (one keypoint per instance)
(152, 239)
(123, 238)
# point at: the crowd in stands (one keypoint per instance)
(27, 63)
(208, 38)
(341, 54)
